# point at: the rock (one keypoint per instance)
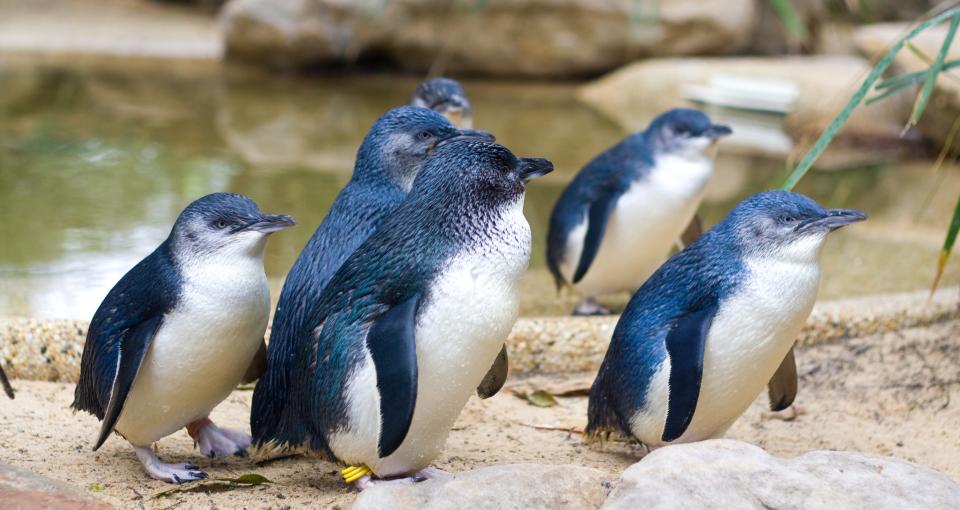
(498, 37)
(724, 473)
(633, 95)
(504, 486)
(943, 110)
(21, 489)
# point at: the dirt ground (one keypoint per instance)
(894, 394)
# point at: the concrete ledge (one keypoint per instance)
(49, 350)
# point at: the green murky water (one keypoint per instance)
(95, 164)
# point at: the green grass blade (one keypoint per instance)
(947, 246)
(901, 80)
(878, 69)
(791, 20)
(935, 69)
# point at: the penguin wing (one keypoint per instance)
(685, 344)
(496, 376)
(782, 388)
(133, 347)
(392, 345)
(597, 218)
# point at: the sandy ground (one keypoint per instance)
(894, 394)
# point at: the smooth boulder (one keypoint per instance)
(497, 37)
(724, 473)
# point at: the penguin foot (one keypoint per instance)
(367, 481)
(214, 441)
(173, 473)
(430, 473)
(589, 306)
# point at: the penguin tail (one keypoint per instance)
(602, 419)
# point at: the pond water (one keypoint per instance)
(96, 163)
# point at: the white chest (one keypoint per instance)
(748, 338)
(648, 219)
(471, 308)
(202, 349)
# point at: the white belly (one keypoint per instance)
(646, 223)
(748, 339)
(471, 309)
(201, 352)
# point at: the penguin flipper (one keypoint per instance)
(782, 388)
(496, 376)
(686, 343)
(597, 219)
(258, 365)
(392, 344)
(133, 348)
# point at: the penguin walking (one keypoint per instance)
(446, 96)
(715, 324)
(410, 324)
(179, 331)
(618, 218)
(387, 163)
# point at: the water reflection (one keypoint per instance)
(96, 163)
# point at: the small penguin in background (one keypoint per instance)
(410, 324)
(179, 331)
(387, 163)
(446, 96)
(616, 221)
(715, 324)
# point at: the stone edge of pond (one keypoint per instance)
(50, 349)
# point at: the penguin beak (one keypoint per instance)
(268, 223)
(531, 168)
(834, 219)
(717, 131)
(468, 134)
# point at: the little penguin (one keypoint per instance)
(179, 331)
(410, 324)
(715, 324)
(616, 221)
(446, 96)
(387, 163)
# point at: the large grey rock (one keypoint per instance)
(23, 490)
(633, 95)
(944, 106)
(497, 37)
(519, 486)
(724, 473)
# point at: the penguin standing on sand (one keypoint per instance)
(387, 163)
(408, 327)
(618, 218)
(179, 331)
(447, 97)
(715, 324)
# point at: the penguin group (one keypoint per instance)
(398, 308)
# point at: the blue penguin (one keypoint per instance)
(179, 331)
(616, 221)
(700, 339)
(387, 163)
(446, 96)
(409, 325)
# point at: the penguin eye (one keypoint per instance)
(424, 135)
(221, 224)
(786, 218)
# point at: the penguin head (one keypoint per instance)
(224, 224)
(786, 225)
(401, 139)
(483, 169)
(446, 97)
(685, 131)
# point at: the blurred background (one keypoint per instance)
(114, 114)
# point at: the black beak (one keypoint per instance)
(269, 223)
(834, 219)
(531, 168)
(468, 134)
(717, 131)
